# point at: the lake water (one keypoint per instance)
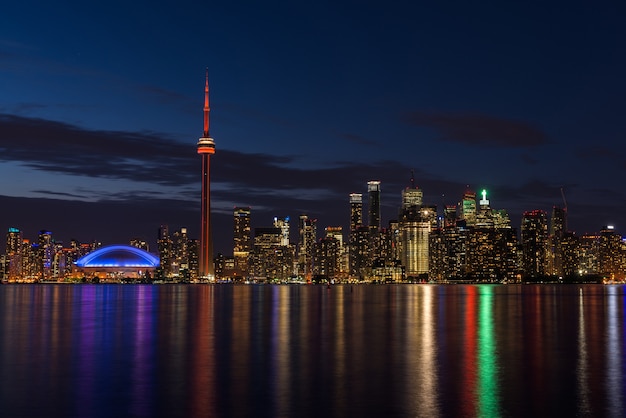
(312, 351)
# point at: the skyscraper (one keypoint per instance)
(307, 236)
(206, 148)
(373, 192)
(558, 229)
(14, 254)
(242, 239)
(373, 219)
(468, 208)
(412, 195)
(356, 210)
(534, 243)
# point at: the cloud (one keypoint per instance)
(479, 129)
(63, 148)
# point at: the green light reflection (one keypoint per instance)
(488, 396)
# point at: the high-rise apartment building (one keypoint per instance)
(534, 243)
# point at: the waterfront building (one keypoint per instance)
(358, 240)
(570, 254)
(588, 254)
(327, 258)
(610, 254)
(193, 247)
(359, 257)
(164, 246)
(307, 236)
(415, 226)
(206, 148)
(270, 259)
(534, 244)
(242, 240)
(45, 251)
(180, 255)
(14, 254)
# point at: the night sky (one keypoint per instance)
(101, 110)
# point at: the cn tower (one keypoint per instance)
(206, 147)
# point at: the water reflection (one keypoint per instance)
(488, 396)
(306, 351)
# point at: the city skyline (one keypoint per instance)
(98, 126)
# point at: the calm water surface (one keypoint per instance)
(309, 351)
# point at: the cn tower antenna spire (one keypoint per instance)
(206, 105)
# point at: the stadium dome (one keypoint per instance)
(116, 263)
(119, 256)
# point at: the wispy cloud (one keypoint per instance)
(479, 129)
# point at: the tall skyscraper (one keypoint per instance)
(412, 195)
(534, 243)
(373, 192)
(307, 236)
(358, 239)
(373, 219)
(356, 210)
(242, 239)
(206, 148)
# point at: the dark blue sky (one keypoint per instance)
(101, 108)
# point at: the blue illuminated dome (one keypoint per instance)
(119, 256)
